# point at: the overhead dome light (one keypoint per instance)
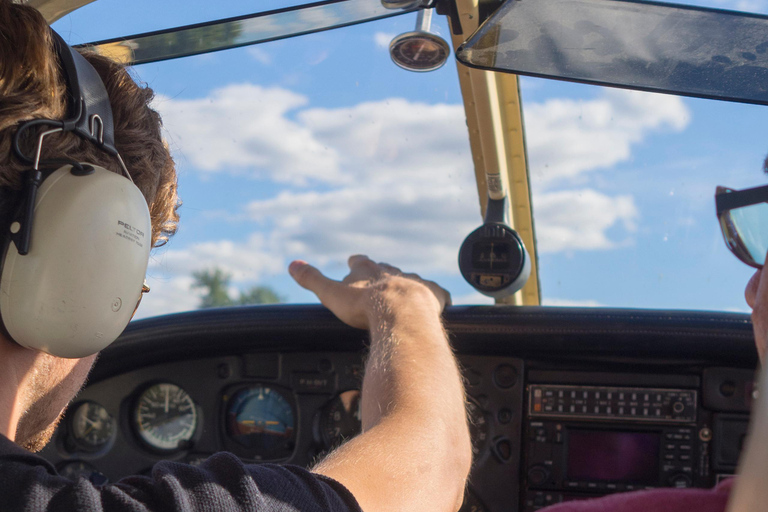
(420, 50)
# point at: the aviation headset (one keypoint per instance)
(76, 244)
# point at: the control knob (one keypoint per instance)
(537, 475)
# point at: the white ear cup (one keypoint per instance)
(76, 290)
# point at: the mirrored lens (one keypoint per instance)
(747, 232)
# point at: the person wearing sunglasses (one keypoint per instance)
(742, 216)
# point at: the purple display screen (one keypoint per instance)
(595, 455)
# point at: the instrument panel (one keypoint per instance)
(285, 408)
(539, 385)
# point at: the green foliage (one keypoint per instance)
(216, 282)
(259, 295)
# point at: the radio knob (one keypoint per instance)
(537, 475)
(678, 407)
(680, 481)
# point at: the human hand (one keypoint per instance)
(370, 290)
(756, 294)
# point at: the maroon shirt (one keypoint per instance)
(657, 500)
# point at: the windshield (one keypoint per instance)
(318, 147)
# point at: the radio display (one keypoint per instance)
(596, 455)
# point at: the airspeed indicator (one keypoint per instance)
(165, 417)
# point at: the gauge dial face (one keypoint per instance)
(419, 51)
(260, 418)
(92, 427)
(165, 416)
(478, 426)
(489, 255)
(340, 418)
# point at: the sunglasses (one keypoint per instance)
(144, 289)
(743, 217)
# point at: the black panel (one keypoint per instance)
(728, 389)
(614, 379)
(214, 353)
(730, 432)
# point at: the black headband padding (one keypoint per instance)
(87, 97)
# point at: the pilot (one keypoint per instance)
(414, 452)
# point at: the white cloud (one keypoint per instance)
(246, 261)
(416, 229)
(579, 220)
(566, 138)
(170, 271)
(757, 6)
(396, 176)
(751, 6)
(475, 298)
(245, 128)
(168, 295)
(382, 39)
(260, 55)
(394, 140)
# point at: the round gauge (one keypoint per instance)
(165, 417)
(91, 426)
(340, 418)
(419, 51)
(260, 418)
(76, 469)
(493, 259)
(478, 426)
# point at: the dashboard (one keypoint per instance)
(563, 403)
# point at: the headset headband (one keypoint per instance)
(90, 114)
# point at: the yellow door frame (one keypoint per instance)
(497, 140)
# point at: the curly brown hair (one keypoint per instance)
(32, 87)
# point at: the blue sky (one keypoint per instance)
(318, 147)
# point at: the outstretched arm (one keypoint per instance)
(414, 452)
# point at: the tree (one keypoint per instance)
(216, 282)
(259, 295)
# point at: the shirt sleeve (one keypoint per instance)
(221, 483)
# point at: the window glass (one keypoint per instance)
(319, 147)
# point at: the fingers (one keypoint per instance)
(362, 267)
(438, 291)
(353, 299)
(341, 299)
